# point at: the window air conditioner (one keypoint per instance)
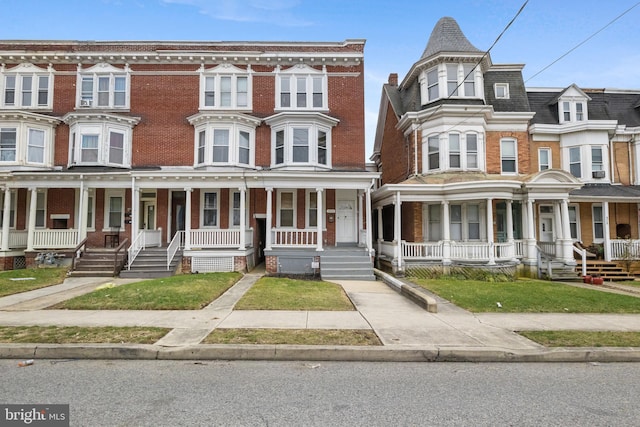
(598, 174)
(85, 103)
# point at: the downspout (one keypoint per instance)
(415, 150)
(611, 160)
(631, 181)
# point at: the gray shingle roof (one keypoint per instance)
(608, 191)
(447, 37)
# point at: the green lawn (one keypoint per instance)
(42, 277)
(75, 334)
(292, 336)
(528, 296)
(276, 293)
(583, 338)
(181, 292)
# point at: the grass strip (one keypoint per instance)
(583, 338)
(293, 336)
(181, 292)
(278, 293)
(80, 335)
(528, 296)
(29, 279)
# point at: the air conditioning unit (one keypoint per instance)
(85, 103)
(597, 174)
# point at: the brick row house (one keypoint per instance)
(227, 153)
(477, 169)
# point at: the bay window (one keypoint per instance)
(29, 140)
(575, 164)
(460, 151)
(459, 79)
(8, 141)
(229, 141)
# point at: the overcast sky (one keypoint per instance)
(396, 31)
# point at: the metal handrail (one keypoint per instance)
(78, 252)
(136, 247)
(549, 258)
(174, 246)
(118, 267)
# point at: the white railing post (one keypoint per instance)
(319, 216)
(32, 218)
(6, 219)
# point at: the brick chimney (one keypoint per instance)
(393, 79)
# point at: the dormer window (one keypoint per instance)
(572, 105)
(461, 80)
(225, 87)
(501, 90)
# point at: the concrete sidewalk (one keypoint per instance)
(407, 331)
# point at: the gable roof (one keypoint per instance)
(447, 37)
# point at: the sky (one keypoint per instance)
(396, 32)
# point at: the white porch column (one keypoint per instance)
(31, 229)
(83, 213)
(397, 228)
(567, 243)
(531, 237)
(559, 230)
(446, 234)
(510, 240)
(267, 244)
(6, 219)
(369, 230)
(319, 216)
(243, 218)
(492, 257)
(607, 233)
(380, 230)
(360, 216)
(187, 219)
(135, 207)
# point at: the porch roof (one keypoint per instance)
(607, 192)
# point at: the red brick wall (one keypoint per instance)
(394, 152)
(494, 165)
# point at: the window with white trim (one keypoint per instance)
(465, 222)
(435, 229)
(572, 110)
(509, 156)
(454, 151)
(234, 205)
(596, 159)
(224, 143)
(598, 223)
(544, 159)
(501, 90)
(312, 208)
(101, 142)
(209, 209)
(575, 162)
(103, 86)
(225, 87)
(41, 209)
(574, 222)
(113, 210)
(433, 152)
(301, 88)
(286, 209)
(301, 144)
(26, 86)
(22, 142)
(455, 222)
(461, 80)
(12, 208)
(459, 151)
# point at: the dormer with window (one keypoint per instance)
(103, 86)
(26, 87)
(572, 105)
(224, 139)
(451, 80)
(225, 87)
(301, 88)
(100, 139)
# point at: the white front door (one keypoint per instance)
(546, 229)
(148, 215)
(345, 221)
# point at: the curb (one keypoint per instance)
(315, 353)
(413, 292)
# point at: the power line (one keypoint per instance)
(584, 41)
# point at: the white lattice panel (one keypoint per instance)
(211, 264)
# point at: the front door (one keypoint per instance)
(345, 221)
(546, 229)
(148, 220)
(178, 204)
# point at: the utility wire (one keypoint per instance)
(585, 40)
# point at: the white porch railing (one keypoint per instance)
(422, 250)
(518, 247)
(468, 251)
(549, 248)
(55, 239)
(176, 243)
(624, 249)
(503, 251)
(144, 239)
(17, 239)
(227, 238)
(295, 237)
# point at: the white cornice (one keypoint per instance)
(27, 116)
(571, 127)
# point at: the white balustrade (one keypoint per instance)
(203, 238)
(387, 249)
(55, 239)
(519, 246)
(625, 249)
(549, 248)
(17, 239)
(503, 251)
(467, 251)
(422, 250)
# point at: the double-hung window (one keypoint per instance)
(434, 231)
(26, 86)
(235, 209)
(598, 223)
(301, 88)
(596, 159)
(544, 159)
(573, 222)
(433, 87)
(509, 156)
(113, 209)
(103, 86)
(27, 141)
(472, 150)
(8, 143)
(225, 87)
(575, 163)
(209, 211)
(454, 151)
(223, 142)
(286, 208)
(433, 143)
